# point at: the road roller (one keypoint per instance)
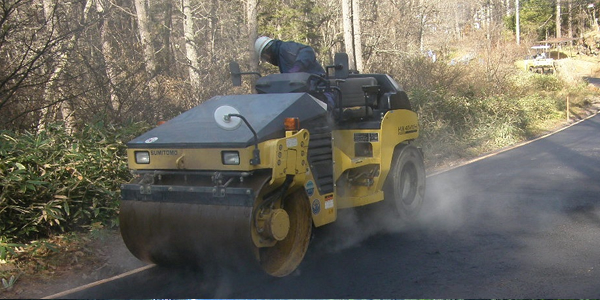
(246, 178)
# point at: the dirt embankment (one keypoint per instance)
(95, 257)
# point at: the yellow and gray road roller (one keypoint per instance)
(249, 176)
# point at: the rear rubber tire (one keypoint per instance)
(407, 182)
(283, 258)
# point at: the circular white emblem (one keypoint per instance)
(224, 120)
(151, 140)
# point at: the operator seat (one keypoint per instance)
(358, 96)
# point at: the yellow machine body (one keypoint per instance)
(229, 180)
(359, 154)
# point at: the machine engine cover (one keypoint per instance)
(198, 127)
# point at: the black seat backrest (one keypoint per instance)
(353, 93)
(284, 83)
(396, 100)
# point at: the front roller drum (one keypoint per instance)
(175, 234)
(170, 233)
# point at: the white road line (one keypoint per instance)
(96, 283)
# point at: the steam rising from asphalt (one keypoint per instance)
(452, 203)
(442, 209)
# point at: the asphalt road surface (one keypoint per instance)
(593, 80)
(524, 223)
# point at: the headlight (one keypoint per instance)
(230, 157)
(142, 157)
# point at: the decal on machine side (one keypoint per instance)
(310, 188)
(329, 201)
(366, 137)
(408, 129)
(290, 143)
(163, 152)
(151, 140)
(316, 207)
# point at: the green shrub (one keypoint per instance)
(54, 182)
(547, 83)
(454, 127)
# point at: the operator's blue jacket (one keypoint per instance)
(295, 57)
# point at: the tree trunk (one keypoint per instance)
(45, 112)
(190, 45)
(518, 22)
(357, 35)
(252, 15)
(213, 26)
(581, 22)
(143, 29)
(107, 54)
(570, 20)
(422, 22)
(52, 90)
(558, 20)
(168, 58)
(457, 30)
(489, 14)
(348, 36)
(147, 48)
(108, 62)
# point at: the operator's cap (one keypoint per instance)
(261, 43)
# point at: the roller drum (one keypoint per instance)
(198, 225)
(182, 233)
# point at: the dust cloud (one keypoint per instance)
(455, 203)
(443, 209)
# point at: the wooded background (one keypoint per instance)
(118, 61)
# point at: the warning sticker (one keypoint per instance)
(293, 142)
(366, 137)
(329, 202)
